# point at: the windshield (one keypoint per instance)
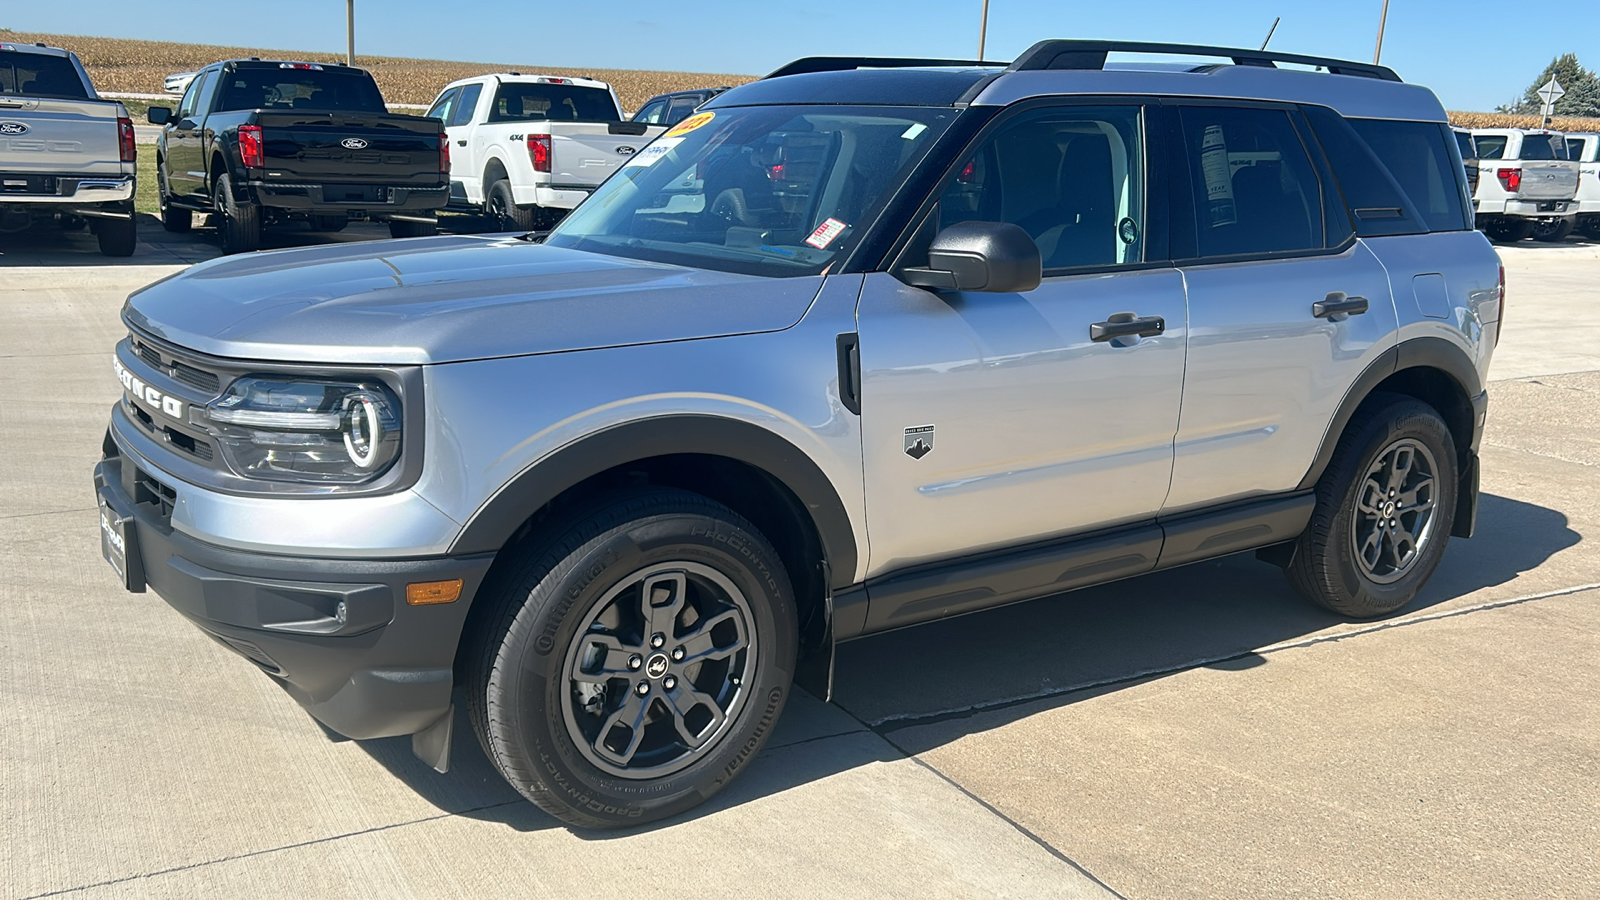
(38, 75)
(765, 190)
(286, 86)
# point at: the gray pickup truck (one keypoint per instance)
(66, 156)
(863, 344)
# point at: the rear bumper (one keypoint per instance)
(68, 190)
(1528, 208)
(383, 668)
(372, 199)
(552, 196)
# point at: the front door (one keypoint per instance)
(185, 168)
(993, 420)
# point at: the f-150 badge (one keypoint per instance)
(919, 441)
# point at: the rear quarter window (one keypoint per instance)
(1419, 156)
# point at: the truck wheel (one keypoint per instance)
(1553, 232)
(1591, 227)
(632, 661)
(329, 223)
(1509, 231)
(401, 229)
(174, 219)
(238, 224)
(1384, 511)
(503, 208)
(118, 237)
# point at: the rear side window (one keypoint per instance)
(1419, 157)
(1575, 148)
(38, 75)
(1490, 146)
(552, 103)
(466, 106)
(1254, 188)
(681, 108)
(276, 88)
(1378, 204)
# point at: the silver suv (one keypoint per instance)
(864, 344)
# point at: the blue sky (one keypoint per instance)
(1466, 51)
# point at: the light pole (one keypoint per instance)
(350, 32)
(983, 29)
(1382, 21)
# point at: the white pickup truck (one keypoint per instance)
(528, 148)
(1526, 184)
(66, 156)
(1584, 149)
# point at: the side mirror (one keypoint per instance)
(994, 257)
(159, 115)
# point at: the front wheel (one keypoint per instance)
(1384, 510)
(635, 660)
(175, 219)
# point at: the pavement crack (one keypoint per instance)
(48, 512)
(269, 850)
(888, 724)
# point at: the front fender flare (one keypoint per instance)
(498, 519)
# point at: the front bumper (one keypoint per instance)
(74, 190)
(381, 668)
(371, 199)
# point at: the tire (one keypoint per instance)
(401, 229)
(501, 206)
(1591, 227)
(118, 237)
(238, 224)
(1554, 232)
(1509, 231)
(1330, 565)
(175, 219)
(571, 604)
(332, 224)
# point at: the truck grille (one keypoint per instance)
(180, 371)
(191, 446)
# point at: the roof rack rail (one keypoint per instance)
(845, 63)
(1070, 54)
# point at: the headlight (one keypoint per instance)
(306, 431)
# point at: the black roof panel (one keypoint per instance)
(858, 87)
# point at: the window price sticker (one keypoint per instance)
(826, 234)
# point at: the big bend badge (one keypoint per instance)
(919, 441)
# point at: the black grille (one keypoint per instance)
(180, 371)
(195, 447)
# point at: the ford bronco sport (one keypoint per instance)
(864, 344)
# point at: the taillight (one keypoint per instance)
(129, 151)
(1511, 179)
(250, 153)
(444, 154)
(539, 151)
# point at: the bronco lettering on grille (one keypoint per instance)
(166, 403)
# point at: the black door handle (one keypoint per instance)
(1126, 325)
(461, 143)
(1337, 302)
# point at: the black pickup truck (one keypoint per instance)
(254, 142)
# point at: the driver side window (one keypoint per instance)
(1073, 178)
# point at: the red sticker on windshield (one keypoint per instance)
(826, 233)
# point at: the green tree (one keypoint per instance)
(1582, 87)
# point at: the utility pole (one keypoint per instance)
(350, 32)
(1382, 21)
(983, 31)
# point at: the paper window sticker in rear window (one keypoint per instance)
(696, 121)
(912, 133)
(1218, 175)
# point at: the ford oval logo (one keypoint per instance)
(353, 144)
(13, 128)
(627, 151)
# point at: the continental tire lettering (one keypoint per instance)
(545, 643)
(774, 699)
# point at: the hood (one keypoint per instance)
(447, 299)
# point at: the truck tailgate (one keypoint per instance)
(1548, 180)
(58, 137)
(586, 153)
(354, 148)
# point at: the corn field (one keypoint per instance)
(1509, 120)
(138, 67)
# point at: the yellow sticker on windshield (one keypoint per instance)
(698, 120)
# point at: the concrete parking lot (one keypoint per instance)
(1200, 733)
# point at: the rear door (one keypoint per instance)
(1286, 308)
(992, 420)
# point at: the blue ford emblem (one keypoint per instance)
(353, 144)
(13, 128)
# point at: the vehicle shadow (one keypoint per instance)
(1054, 651)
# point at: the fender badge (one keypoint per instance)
(919, 441)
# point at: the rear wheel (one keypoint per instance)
(238, 224)
(1554, 231)
(118, 237)
(401, 229)
(1384, 510)
(1591, 227)
(502, 207)
(175, 219)
(635, 660)
(1509, 231)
